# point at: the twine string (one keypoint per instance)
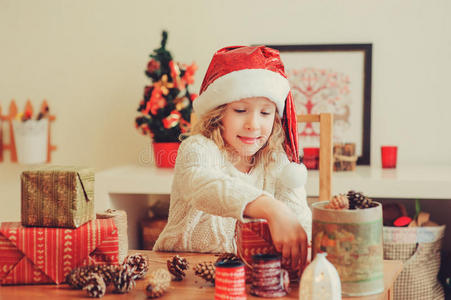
(351, 158)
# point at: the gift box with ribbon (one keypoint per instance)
(56, 196)
(38, 255)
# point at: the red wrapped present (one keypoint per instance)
(253, 237)
(37, 255)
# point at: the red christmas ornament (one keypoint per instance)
(153, 65)
(156, 101)
(188, 77)
(172, 120)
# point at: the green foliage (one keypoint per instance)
(417, 208)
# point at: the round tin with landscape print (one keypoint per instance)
(352, 240)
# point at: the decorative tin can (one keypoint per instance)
(353, 242)
(253, 237)
(230, 281)
(268, 278)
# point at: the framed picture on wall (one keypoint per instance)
(333, 78)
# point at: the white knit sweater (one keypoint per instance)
(209, 194)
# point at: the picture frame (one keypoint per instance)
(333, 78)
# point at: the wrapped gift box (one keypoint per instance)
(57, 197)
(37, 255)
(253, 237)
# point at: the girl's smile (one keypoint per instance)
(249, 140)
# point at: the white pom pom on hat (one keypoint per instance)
(293, 175)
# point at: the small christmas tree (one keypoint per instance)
(167, 104)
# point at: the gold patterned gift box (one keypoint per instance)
(57, 196)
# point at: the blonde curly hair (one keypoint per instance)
(210, 126)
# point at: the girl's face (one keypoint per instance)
(247, 124)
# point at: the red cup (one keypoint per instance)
(311, 158)
(389, 156)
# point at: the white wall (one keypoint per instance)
(87, 58)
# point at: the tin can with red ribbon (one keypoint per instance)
(253, 237)
(268, 277)
(230, 283)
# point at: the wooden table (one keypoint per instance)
(192, 287)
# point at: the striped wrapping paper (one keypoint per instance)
(37, 255)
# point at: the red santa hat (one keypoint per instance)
(240, 72)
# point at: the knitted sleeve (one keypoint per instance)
(296, 200)
(200, 166)
(294, 197)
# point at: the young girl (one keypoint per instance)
(236, 162)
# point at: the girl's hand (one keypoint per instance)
(288, 235)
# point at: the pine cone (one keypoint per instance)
(124, 279)
(370, 204)
(359, 201)
(206, 270)
(78, 277)
(138, 263)
(158, 282)
(95, 286)
(107, 272)
(338, 202)
(176, 266)
(227, 257)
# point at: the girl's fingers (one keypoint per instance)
(278, 247)
(303, 254)
(295, 256)
(286, 252)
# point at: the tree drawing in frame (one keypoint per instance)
(334, 79)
